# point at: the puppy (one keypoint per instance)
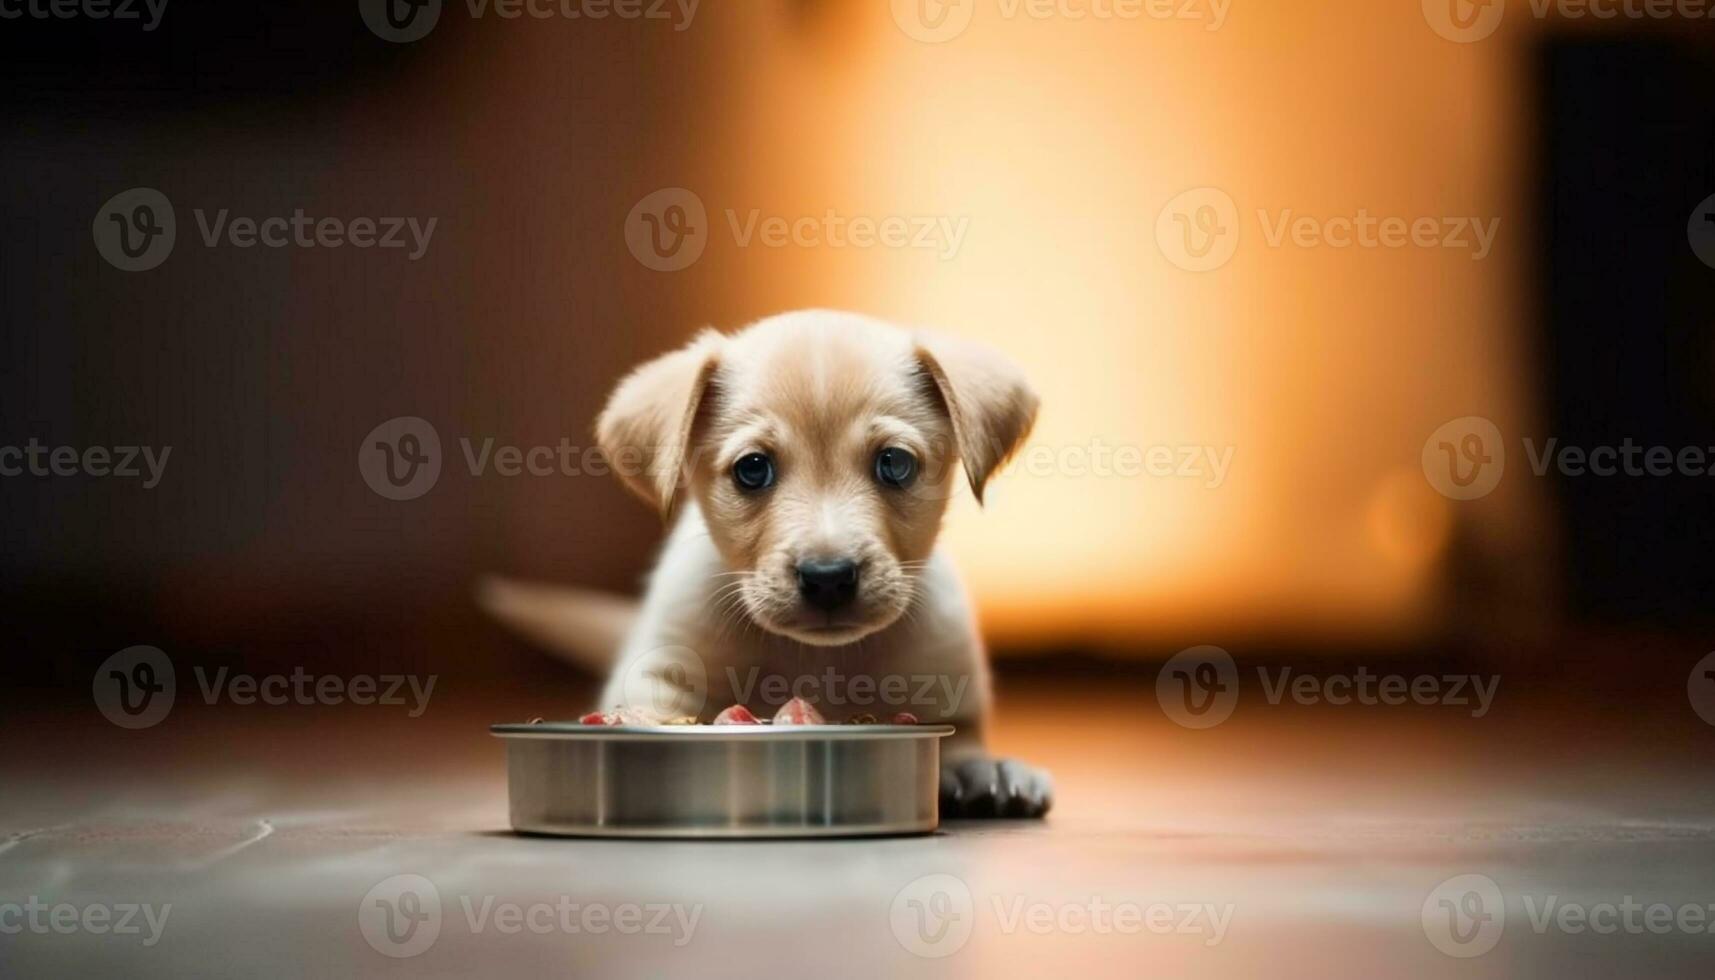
(805, 464)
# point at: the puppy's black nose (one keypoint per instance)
(828, 585)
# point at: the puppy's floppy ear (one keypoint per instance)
(991, 404)
(645, 429)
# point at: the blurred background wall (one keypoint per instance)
(1056, 144)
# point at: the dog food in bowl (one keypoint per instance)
(623, 773)
(738, 714)
(794, 712)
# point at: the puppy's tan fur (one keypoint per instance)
(821, 393)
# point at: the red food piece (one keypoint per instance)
(798, 712)
(905, 718)
(619, 716)
(738, 714)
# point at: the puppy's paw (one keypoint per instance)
(981, 788)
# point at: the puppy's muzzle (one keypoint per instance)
(828, 585)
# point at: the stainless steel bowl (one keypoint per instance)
(723, 780)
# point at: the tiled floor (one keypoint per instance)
(1292, 842)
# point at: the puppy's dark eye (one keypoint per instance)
(895, 467)
(753, 471)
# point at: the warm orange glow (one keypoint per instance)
(1320, 370)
